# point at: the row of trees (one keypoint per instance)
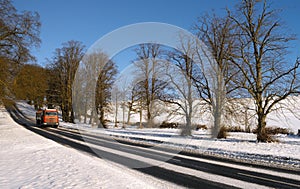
(51, 86)
(249, 49)
(94, 81)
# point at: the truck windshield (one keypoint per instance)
(51, 113)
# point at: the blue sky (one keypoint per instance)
(89, 20)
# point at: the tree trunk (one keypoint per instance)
(148, 101)
(187, 131)
(85, 111)
(123, 121)
(128, 115)
(79, 117)
(141, 119)
(116, 112)
(65, 113)
(85, 117)
(218, 105)
(217, 122)
(91, 118)
(262, 136)
(72, 116)
(149, 119)
(101, 119)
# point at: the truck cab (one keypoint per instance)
(47, 117)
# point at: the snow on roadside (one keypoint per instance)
(28, 160)
(238, 146)
(26, 109)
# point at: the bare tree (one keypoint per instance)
(214, 82)
(138, 101)
(120, 99)
(65, 63)
(180, 71)
(132, 99)
(86, 81)
(103, 89)
(115, 95)
(240, 112)
(262, 48)
(93, 84)
(124, 96)
(148, 72)
(19, 33)
(82, 92)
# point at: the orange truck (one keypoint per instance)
(47, 117)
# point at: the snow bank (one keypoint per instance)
(26, 109)
(28, 160)
(238, 146)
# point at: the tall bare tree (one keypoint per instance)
(85, 85)
(65, 63)
(131, 103)
(147, 64)
(19, 33)
(180, 71)
(103, 89)
(216, 83)
(92, 88)
(267, 76)
(124, 96)
(137, 99)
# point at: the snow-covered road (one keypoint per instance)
(28, 160)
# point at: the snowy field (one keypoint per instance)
(28, 160)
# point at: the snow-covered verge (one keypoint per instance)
(238, 146)
(28, 160)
